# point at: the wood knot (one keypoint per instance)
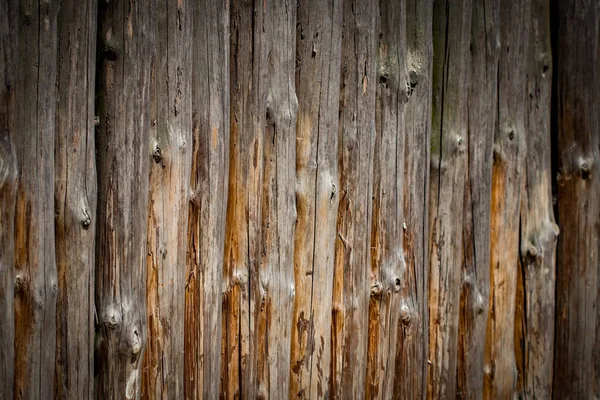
(376, 290)
(135, 345)
(157, 154)
(585, 169)
(406, 315)
(112, 318)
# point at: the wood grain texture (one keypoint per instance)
(388, 265)
(356, 140)
(243, 248)
(35, 263)
(319, 39)
(482, 118)
(208, 203)
(166, 238)
(410, 376)
(126, 63)
(8, 188)
(449, 144)
(510, 146)
(276, 271)
(535, 350)
(75, 199)
(576, 366)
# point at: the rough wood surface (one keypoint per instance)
(171, 147)
(500, 373)
(319, 39)
(576, 365)
(8, 187)
(388, 267)
(449, 144)
(126, 62)
(35, 263)
(208, 202)
(482, 116)
(276, 272)
(410, 377)
(241, 301)
(535, 350)
(351, 286)
(75, 199)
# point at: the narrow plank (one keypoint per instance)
(482, 118)
(8, 187)
(449, 144)
(241, 298)
(171, 146)
(319, 39)
(351, 290)
(35, 263)
(75, 194)
(510, 146)
(126, 42)
(576, 365)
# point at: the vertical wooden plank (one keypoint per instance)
(75, 199)
(126, 44)
(509, 150)
(352, 249)
(482, 115)
(276, 275)
(319, 39)
(449, 144)
(248, 66)
(578, 212)
(171, 146)
(8, 187)
(410, 375)
(206, 222)
(35, 263)
(538, 228)
(388, 266)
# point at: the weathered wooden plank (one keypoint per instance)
(351, 290)
(126, 45)
(500, 371)
(75, 199)
(449, 144)
(276, 273)
(241, 299)
(35, 263)
(171, 146)
(318, 38)
(576, 371)
(482, 115)
(410, 375)
(8, 187)
(535, 350)
(206, 222)
(388, 267)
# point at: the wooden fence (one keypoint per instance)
(299, 199)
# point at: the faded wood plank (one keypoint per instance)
(208, 205)
(510, 146)
(388, 266)
(8, 187)
(35, 263)
(576, 365)
(410, 375)
(318, 38)
(355, 153)
(75, 199)
(449, 144)
(241, 298)
(171, 146)
(538, 228)
(276, 273)
(482, 118)
(126, 42)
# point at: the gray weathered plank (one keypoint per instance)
(75, 199)
(126, 46)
